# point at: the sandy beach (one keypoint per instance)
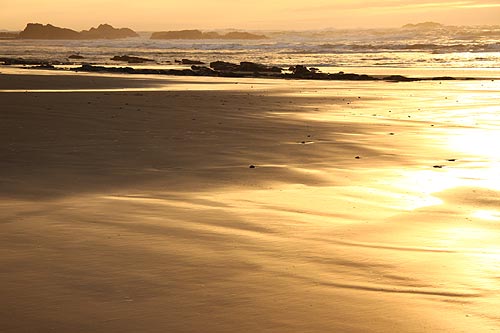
(129, 204)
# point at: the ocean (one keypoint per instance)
(456, 51)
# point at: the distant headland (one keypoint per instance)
(48, 31)
(197, 34)
(423, 26)
(106, 31)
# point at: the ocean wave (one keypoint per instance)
(383, 47)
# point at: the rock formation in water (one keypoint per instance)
(197, 34)
(48, 31)
(131, 59)
(242, 35)
(245, 66)
(189, 62)
(227, 69)
(106, 31)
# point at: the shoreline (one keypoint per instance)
(229, 70)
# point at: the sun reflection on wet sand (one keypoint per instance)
(371, 207)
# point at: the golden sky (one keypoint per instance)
(245, 14)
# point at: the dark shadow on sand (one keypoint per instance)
(58, 144)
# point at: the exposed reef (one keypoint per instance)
(255, 70)
(131, 59)
(244, 69)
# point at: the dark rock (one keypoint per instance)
(251, 166)
(104, 31)
(245, 66)
(300, 70)
(204, 71)
(227, 69)
(102, 69)
(76, 56)
(351, 77)
(40, 31)
(223, 66)
(191, 62)
(443, 78)
(399, 78)
(242, 35)
(131, 59)
(258, 68)
(182, 34)
(21, 61)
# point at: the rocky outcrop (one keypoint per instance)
(48, 31)
(189, 62)
(197, 34)
(130, 70)
(304, 73)
(227, 69)
(204, 71)
(22, 61)
(40, 31)
(245, 66)
(106, 31)
(131, 59)
(223, 66)
(182, 34)
(242, 35)
(399, 78)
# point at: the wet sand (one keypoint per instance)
(372, 207)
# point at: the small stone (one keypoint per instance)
(251, 166)
(357, 157)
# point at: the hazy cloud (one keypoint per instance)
(256, 14)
